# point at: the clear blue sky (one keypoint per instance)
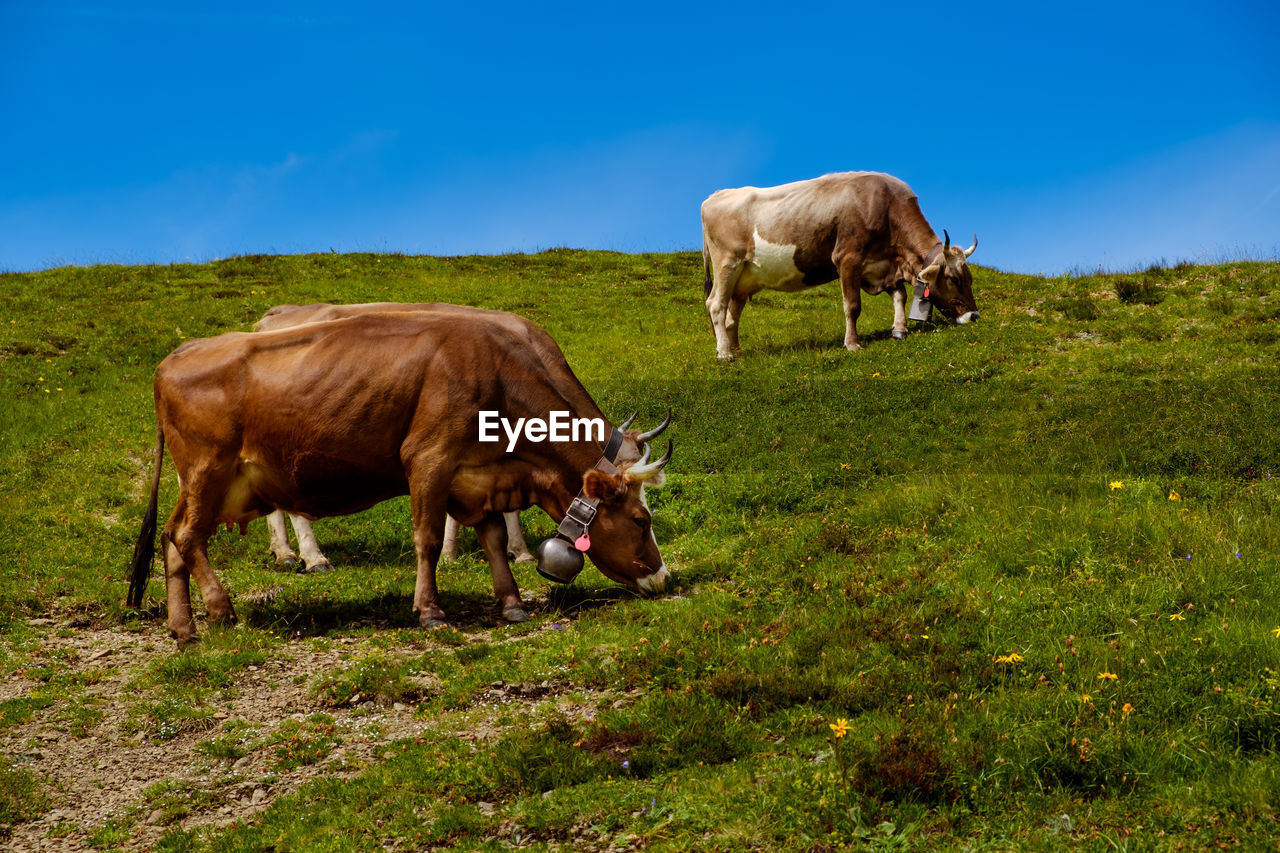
(1067, 136)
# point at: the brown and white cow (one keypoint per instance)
(284, 316)
(863, 228)
(331, 418)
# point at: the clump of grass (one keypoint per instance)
(306, 742)
(22, 797)
(375, 678)
(1079, 306)
(1138, 290)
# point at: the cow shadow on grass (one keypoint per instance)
(832, 342)
(390, 611)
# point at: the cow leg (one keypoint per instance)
(177, 582)
(280, 541)
(492, 531)
(308, 547)
(517, 548)
(188, 535)
(852, 294)
(719, 301)
(427, 499)
(731, 318)
(449, 551)
(899, 311)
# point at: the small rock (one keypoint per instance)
(40, 623)
(259, 794)
(486, 809)
(242, 762)
(155, 817)
(354, 700)
(399, 706)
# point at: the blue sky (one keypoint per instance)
(1067, 136)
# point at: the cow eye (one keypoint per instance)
(641, 522)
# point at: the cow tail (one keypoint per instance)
(706, 271)
(145, 550)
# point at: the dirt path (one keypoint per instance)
(137, 784)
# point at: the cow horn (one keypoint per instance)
(622, 427)
(655, 432)
(946, 240)
(969, 251)
(644, 469)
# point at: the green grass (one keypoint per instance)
(952, 542)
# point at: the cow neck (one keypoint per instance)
(575, 522)
(930, 256)
(573, 465)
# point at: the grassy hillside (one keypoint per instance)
(1006, 585)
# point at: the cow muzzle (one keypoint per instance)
(968, 317)
(655, 583)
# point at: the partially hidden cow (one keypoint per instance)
(283, 316)
(863, 228)
(330, 418)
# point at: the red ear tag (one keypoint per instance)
(583, 542)
(926, 292)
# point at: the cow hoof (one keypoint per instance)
(187, 642)
(898, 336)
(853, 347)
(322, 566)
(725, 358)
(515, 614)
(222, 617)
(433, 623)
(522, 558)
(289, 564)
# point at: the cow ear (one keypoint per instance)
(929, 275)
(604, 487)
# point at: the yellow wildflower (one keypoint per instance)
(1116, 484)
(1177, 617)
(1085, 699)
(1127, 709)
(1276, 631)
(1174, 496)
(1109, 676)
(839, 728)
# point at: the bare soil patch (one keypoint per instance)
(147, 782)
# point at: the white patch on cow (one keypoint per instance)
(772, 267)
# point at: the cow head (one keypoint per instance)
(950, 283)
(622, 542)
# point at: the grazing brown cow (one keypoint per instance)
(863, 228)
(330, 418)
(283, 316)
